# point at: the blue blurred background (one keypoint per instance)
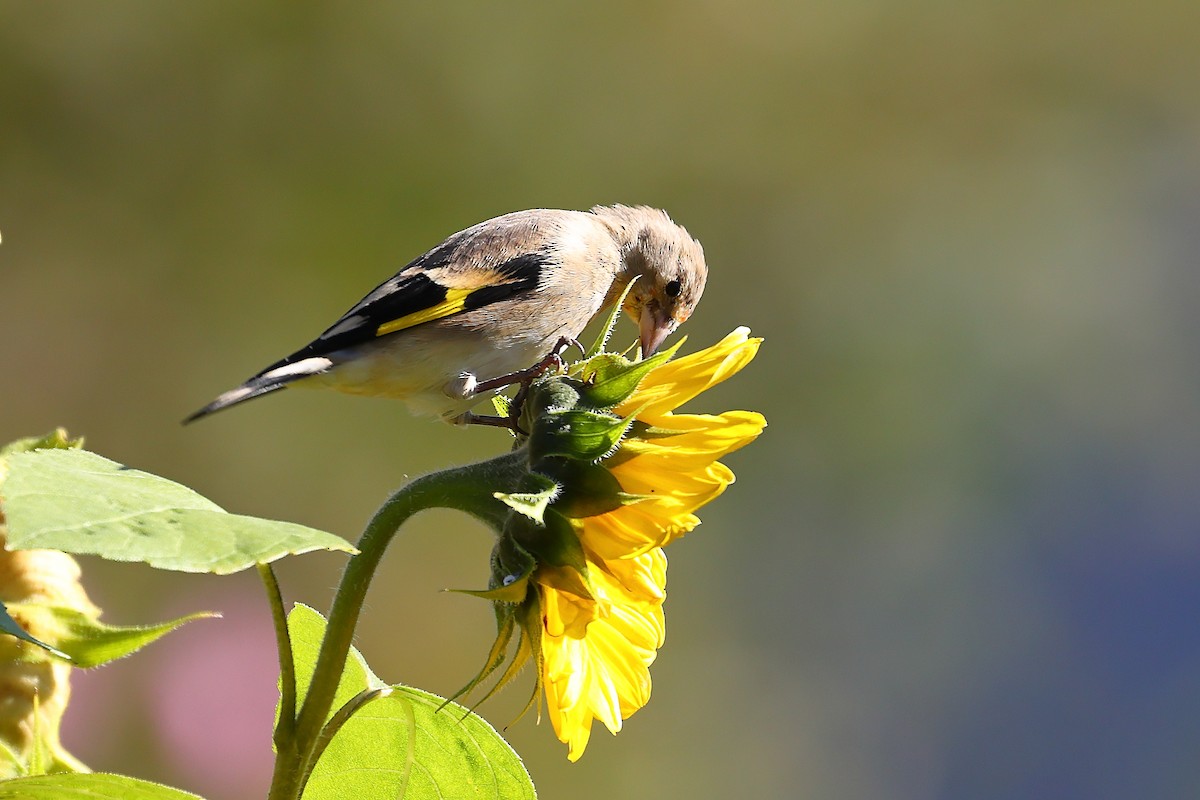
(961, 562)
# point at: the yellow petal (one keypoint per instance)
(604, 674)
(678, 492)
(632, 530)
(698, 434)
(639, 578)
(674, 383)
(565, 614)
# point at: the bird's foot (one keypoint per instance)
(469, 387)
(553, 360)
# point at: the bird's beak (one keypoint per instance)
(655, 326)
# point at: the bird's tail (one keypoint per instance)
(273, 378)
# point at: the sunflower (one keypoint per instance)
(595, 651)
(611, 475)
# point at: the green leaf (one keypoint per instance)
(306, 628)
(88, 786)
(87, 642)
(408, 746)
(82, 503)
(12, 627)
(55, 440)
(401, 745)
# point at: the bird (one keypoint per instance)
(491, 301)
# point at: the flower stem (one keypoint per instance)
(468, 489)
(287, 665)
(343, 715)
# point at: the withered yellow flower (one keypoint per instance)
(34, 689)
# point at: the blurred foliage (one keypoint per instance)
(960, 563)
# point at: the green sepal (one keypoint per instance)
(553, 393)
(612, 379)
(555, 543)
(580, 434)
(587, 489)
(548, 395)
(514, 591)
(502, 405)
(526, 615)
(531, 504)
(570, 581)
(13, 628)
(510, 561)
(644, 430)
(611, 323)
(628, 499)
(87, 642)
(495, 658)
(521, 657)
(599, 366)
(44, 752)
(529, 617)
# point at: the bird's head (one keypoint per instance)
(670, 270)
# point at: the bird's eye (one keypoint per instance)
(673, 289)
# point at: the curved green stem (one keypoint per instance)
(287, 664)
(341, 717)
(466, 488)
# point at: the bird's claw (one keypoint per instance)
(467, 386)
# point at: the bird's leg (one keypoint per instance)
(527, 375)
(468, 418)
(522, 377)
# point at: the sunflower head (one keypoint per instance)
(614, 475)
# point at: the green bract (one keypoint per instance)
(609, 378)
(87, 642)
(576, 433)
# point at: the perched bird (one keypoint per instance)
(492, 300)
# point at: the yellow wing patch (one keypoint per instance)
(455, 302)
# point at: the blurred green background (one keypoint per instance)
(961, 562)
